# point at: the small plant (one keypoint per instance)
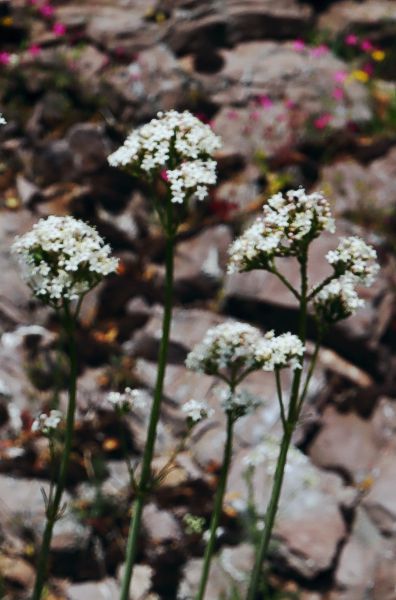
(173, 154)
(231, 351)
(286, 228)
(62, 259)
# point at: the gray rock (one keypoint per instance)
(348, 15)
(345, 442)
(160, 526)
(89, 146)
(107, 589)
(141, 582)
(357, 563)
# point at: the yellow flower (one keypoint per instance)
(360, 75)
(7, 21)
(378, 55)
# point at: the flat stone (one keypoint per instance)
(345, 442)
(380, 501)
(107, 589)
(348, 15)
(357, 562)
(361, 190)
(141, 582)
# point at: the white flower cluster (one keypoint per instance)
(127, 400)
(63, 258)
(150, 147)
(177, 143)
(286, 224)
(2, 120)
(47, 424)
(355, 258)
(192, 177)
(238, 403)
(228, 346)
(279, 351)
(197, 410)
(233, 347)
(337, 300)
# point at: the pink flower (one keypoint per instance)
(34, 50)
(319, 50)
(290, 104)
(366, 46)
(340, 76)
(338, 93)
(255, 115)
(164, 175)
(46, 10)
(351, 39)
(298, 45)
(369, 69)
(4, 58)
(232, 115)
(265, 101)
(323, 121)
(59, 29)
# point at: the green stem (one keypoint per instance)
(272, 510)
(280, 398)
(53, 508)
(217, 509)
(292, 418)
(145, 477)
(283, 279)
(310, 372)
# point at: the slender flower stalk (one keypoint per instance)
(173, 151)
(231, 351)
(62, 260)
(145, 477)
(54, 509)
(218, 506)
(286, 229)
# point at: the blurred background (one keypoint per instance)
(302, 93)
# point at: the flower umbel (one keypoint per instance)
(233, 348)
(177, 144)
(238, 403)
(47, 424)
(353, 256)
(127, 400)
(288, 224)
(337, 300)
(226, 347)
(197, 410)
(63, 258)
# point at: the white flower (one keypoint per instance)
(236, 347)
(354, 256)
(239, 403)
(196, 410)
(127, 400)
(287, 223)
(2, 120)
(278, 352)
(47, 424)
(181, 134)
(337, 300)
(230, 345)
(179, 145)
(192, 177)
(63, 258)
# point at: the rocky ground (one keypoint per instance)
(302, 93)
